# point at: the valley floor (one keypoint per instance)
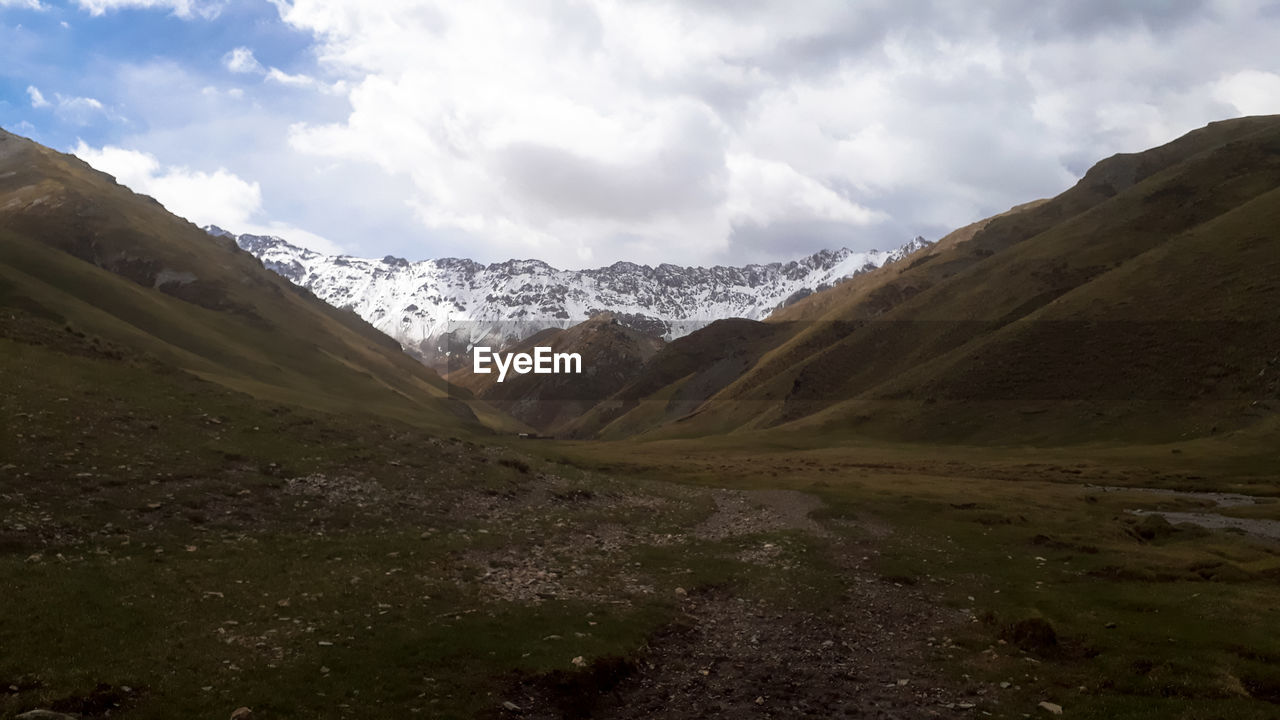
(520, 594)
(177, 550)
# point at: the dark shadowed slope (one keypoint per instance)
(681, 377)
(612, 354)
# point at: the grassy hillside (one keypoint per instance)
(1136, 305)
(681, 377)
(81, 256)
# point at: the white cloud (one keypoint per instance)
(670, 127)
(203, 198)
(79, 104)
(764, 191)
(37, 97)
(1251, 92)
(213, 92)
(218, 198)
(690, 131)
(207, 9)
(284, 78)
(26, 4)
(556, 128)
(241, 60)
(69, 108)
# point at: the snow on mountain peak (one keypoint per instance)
(434, 307)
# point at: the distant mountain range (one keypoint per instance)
(1137, 306)
(438, 308)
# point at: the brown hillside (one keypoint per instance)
(80, 253)
(611, 355)
(876, 346)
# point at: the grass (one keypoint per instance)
(1151, 623)
(196, 545)
(409, 558)
(206, 629)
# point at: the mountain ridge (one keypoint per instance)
(438, 308)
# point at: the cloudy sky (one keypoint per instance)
(580, 133)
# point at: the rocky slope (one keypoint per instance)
(439, 308)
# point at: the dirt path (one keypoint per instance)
(743, 512)
(871, 655)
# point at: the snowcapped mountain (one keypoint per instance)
(432, 306)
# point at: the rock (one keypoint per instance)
(510, 706)
(44, 715)
(1033, 635)
(578, 661)
(1051, 708)
(681, 591)
(242, 713)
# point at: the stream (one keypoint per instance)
(1257, 527)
